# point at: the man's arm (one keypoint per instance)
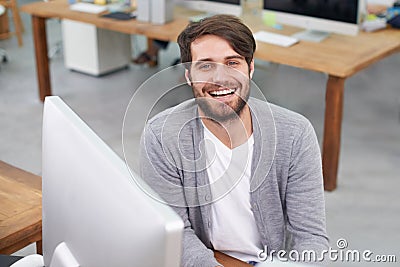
(160, 173)
(305, 204)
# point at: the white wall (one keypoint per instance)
(382, 2)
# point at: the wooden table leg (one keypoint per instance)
(42, 61)
(17, 22)
(332, 130)
(39, 247)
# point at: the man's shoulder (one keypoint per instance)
(185, 108)
(282, 116)
(173, 119)
(286, 117)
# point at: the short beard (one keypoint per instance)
(206, 106)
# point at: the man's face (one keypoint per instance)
(219, 77)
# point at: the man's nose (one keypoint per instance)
(220, 74)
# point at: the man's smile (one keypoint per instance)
(222, 92)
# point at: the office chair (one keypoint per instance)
(18, 26)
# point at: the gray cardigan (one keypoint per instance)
(286, 186)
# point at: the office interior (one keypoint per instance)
(365, 207)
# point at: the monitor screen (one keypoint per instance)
(319, 17)
(337, 10)
(94, 212)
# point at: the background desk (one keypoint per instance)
(20, 209)
(339, 56)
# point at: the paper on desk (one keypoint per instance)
(34, 260)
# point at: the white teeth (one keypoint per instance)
(222, 92)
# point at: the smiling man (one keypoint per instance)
(244, 175)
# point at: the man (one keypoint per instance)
(244, 175)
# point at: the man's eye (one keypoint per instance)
(205, 66)
(233, 63)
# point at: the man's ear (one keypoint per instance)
(188, 78)
(251, 69)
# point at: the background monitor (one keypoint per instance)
(231, 7)
(317, 16)
(94, 212)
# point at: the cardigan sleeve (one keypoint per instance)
(305, 204)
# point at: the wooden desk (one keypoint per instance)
(339, 56)
(229, 261)
(20, 209)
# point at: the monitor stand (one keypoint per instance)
(311, 35)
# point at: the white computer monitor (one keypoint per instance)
(230, 7)
(318, 17)
(94, 213)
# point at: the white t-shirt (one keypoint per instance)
(233, 230)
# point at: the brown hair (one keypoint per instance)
(229, 28)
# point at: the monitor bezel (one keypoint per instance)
(316, 23)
